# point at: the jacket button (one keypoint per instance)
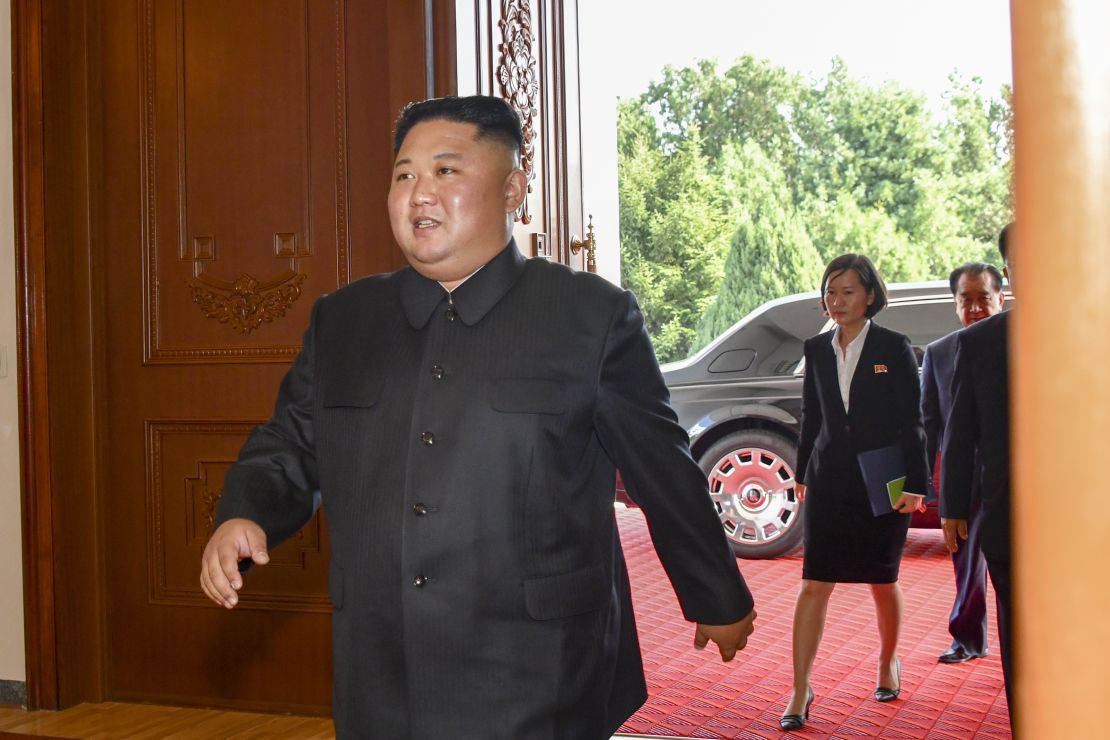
(437, 372)
(420, 509)
(419, 581)
(427, 438)
(450, 314)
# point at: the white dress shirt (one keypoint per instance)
(847, 359)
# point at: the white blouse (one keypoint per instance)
(847, 359)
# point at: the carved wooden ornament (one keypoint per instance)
(245, 304)
(518, 76)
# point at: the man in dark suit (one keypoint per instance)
(976, 452)
(462, 419)
(977, 291)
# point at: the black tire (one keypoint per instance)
(751, 481)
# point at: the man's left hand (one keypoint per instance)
(730, 638)
(954, 531)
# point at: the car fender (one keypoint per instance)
(740, 412)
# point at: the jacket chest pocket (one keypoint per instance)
(349, 421)
(360, 395)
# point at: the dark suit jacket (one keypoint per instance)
(936, 390)
(465, 454)
(979, 423)
(884, 404)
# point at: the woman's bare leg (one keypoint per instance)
(809, 625)
(888, 613)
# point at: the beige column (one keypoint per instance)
(1060, 364)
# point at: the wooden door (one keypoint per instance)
(245, 151)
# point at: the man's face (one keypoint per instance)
(976, 298)
(451, 200)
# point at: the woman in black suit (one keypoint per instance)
(860, 393)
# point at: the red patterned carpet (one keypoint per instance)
(694, 694)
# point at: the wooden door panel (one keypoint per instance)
(187, 462)
(226, 209)
(239, 135)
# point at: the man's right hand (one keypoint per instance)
(234, 540)
(954, 531)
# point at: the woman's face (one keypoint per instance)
(845, 299)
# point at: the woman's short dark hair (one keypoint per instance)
(494, 118)
(869, 276)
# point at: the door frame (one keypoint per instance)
(36, 491)
(59, 326)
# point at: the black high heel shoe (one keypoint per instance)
(797, 721)
(882, 693)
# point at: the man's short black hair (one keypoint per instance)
(494, 118)
(868, 275)
(974, 269)
(1003, 238)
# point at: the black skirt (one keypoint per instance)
(844, 541)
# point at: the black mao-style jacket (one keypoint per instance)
(465, 449)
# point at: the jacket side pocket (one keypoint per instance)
(567, 594)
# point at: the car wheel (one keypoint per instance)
(751, 482)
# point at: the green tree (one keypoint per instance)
(673, 235)
(843, 226)
(753, 99)
(977, 137)
(770, 169)
(771, 254)
(871, 143)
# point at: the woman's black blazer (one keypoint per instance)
(884, 402)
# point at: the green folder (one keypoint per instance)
(894, 489)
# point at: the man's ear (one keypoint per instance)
(516, 189)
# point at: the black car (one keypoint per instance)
(740, 400)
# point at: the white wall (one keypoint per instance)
(12, 659)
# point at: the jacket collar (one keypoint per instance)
(473, 299)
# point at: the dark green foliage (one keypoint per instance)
(737, 187)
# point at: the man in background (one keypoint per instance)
(976, 451)
(977, 292)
